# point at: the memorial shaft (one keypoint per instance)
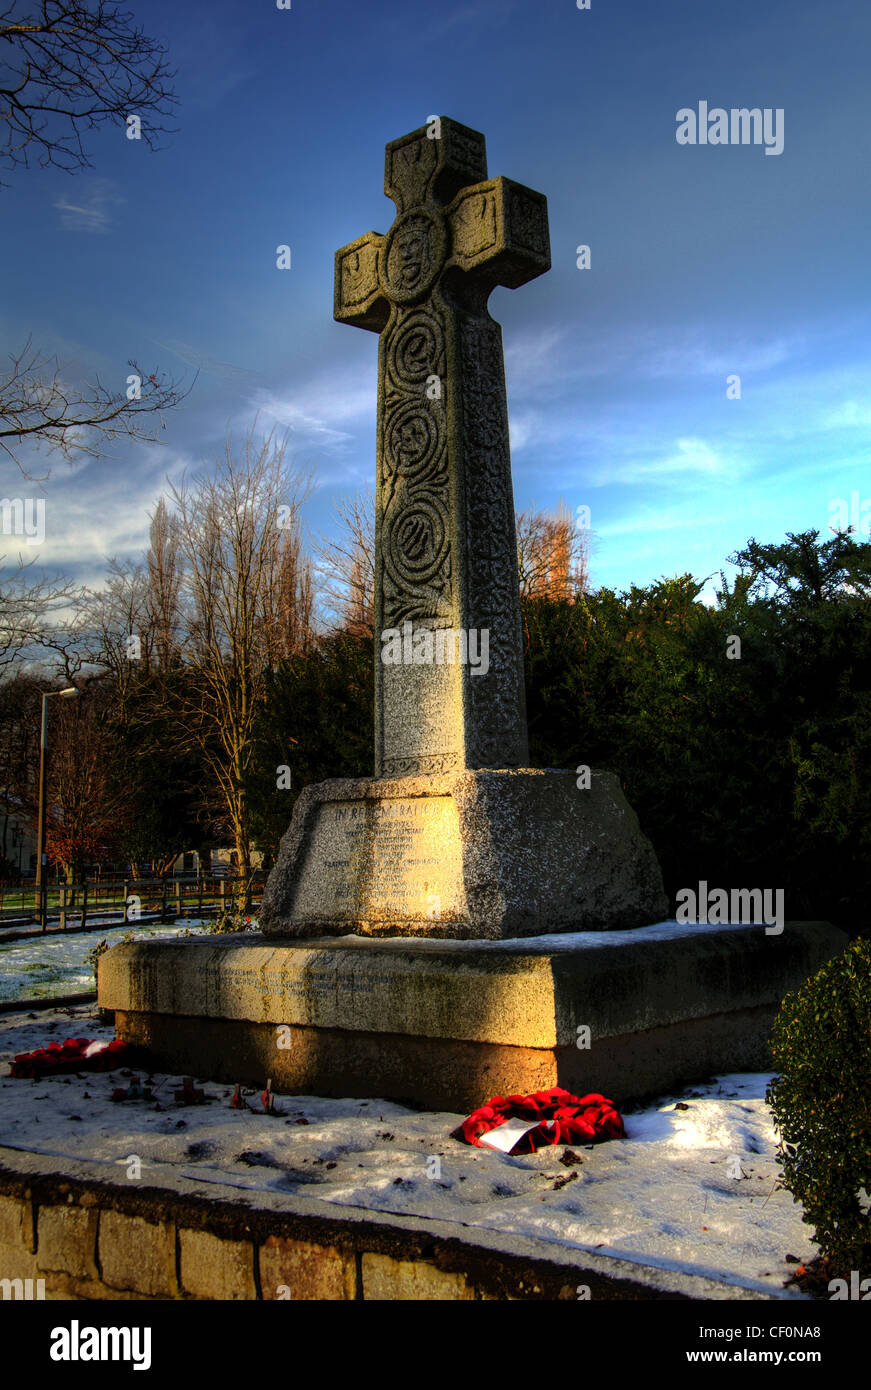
(449, 690)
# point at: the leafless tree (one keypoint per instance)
(87, 806)
(39, 407)
(553, 554)
(165, 575)
(289, 609)
(19, 754)
(116, 634)
(346, 565)
(70, 66)
(133, 623)
(238, 532)
(27, 608)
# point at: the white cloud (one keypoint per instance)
(91, 212)
(102, 508)
(317, 411)
(688, 456)
(849, 415)
(520, 431)
(530, 351)
(649, 521)
(691, 456)
(694, 354)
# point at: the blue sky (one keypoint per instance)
(705, 260)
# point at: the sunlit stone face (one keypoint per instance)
(392, 860)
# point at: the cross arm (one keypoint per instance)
(358, 297)
(499, 232)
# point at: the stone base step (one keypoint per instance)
(448, 1024)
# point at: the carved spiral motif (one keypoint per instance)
(414, 441)
(416, 533)
(416, 541)
(415, 351)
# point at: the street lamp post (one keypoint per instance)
(69, 694)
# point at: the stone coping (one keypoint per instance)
(92, 1235)
(550, 944)
(529, 993)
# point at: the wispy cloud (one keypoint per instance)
(91, 211)
(327, 410)
(693, 353)
(520, 431)
(191, 355)
(97, 510)
(688, 456)
(467, 16)
(534, 358)
(849, 415)
(651, 520)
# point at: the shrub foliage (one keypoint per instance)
(821, 1099)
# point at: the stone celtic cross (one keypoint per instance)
(446, 559)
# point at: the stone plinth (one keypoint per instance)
(487, 854)
(447, 1024)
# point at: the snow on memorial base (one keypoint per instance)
(366, 1199)
(448, 1024)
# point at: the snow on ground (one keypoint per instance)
(46, 967)
(691, 1188)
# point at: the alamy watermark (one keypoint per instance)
(22, 1289)
(713, 906)
(738, 126)
(77, 1343)
(854, 513)
(446, 646)
(23, 516)
(858, 1289)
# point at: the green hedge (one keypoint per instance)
(821, 1099)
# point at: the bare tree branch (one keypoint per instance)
(70, 66)
(246, 597)
(26, 608)
(38, 406)
(552, 554)
(346, 565)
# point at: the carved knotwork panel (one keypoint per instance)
(497, 700)
(528, 220)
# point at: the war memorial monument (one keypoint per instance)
(458, 925)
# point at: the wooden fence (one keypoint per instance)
(127, 900)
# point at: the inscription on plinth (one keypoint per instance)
(313, 986)
(393, 859)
